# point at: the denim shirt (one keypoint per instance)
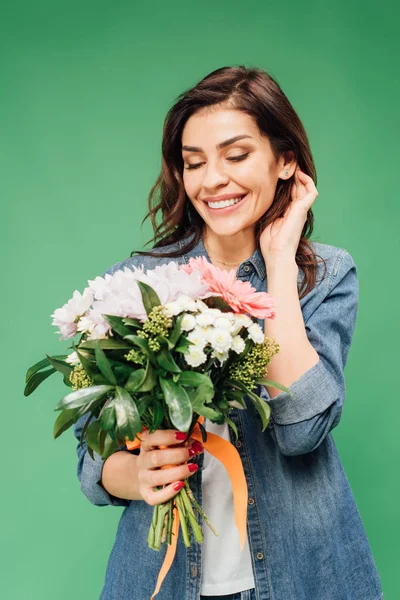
(306, 536)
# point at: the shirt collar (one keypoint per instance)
(256, 259)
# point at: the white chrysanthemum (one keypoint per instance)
(195, 356)
(223, 323)
(238, 344)
(66, 318)
(241, 321)
(73, 359)
(172, 309)
(188, 322)
(205, 318)
(256, 333)
(197, 337)
(221, 356)
(206, 332)
(220, 340)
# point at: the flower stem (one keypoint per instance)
(198, 534)
(198, 507)
(183, 522)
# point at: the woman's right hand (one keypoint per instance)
(163, 461)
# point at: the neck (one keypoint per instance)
(229, 249)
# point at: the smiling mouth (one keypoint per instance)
(226, 203)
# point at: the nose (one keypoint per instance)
(214, 176)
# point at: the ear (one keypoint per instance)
(287, 163)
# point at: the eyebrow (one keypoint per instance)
(219, 146)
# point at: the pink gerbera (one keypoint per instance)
(241, 296)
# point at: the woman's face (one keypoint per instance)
(215, 165)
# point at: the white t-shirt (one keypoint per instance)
(226, 569)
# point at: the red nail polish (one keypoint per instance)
(197, 446)
(180, 435)
(178, 486)
(192, 467)
(191, 451)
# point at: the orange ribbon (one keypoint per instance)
(230, 458)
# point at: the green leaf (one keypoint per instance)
(110, 446)
(135, 380)
(233, 426)
(149, 296)
(64, 420)
(143, 403)
(87, 361)
(237, 397)
(274, 384)
(128, 418)
(176, 331)
(204, 393)
(132, 322)
(105, 344)
(263, 409)
(108, 417)
(194, 379)
(167, 362)
(104, 365)
(150, 379)
(84, 429)
(178, 402)
(117, 324)
(158, 416)
(42, 364)
(36, 379)
(92, 436)
(60, 365)
(83, 396)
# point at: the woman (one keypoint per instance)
(237, 186)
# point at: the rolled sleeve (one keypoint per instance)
(302, 422)
(89, 472)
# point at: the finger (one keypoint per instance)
(162, 437)
(154, 497)
(167, 476)
(174, 455)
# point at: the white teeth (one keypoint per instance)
(225, 203)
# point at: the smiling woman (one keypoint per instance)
(237, 187)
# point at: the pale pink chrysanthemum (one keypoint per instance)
(241, 296)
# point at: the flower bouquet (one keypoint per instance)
(160, 349)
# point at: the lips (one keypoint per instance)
(226, 209)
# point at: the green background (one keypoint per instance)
(85, 87)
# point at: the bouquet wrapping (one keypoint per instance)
(162, 349)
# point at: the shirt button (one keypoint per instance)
(238, 444)
(260, 555)
(194, 570)
(251, 501)
(246, 268)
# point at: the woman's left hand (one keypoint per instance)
(281, 237)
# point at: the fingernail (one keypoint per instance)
(178, 486)
(197, 446)
(180, 435)
(192, 467)
(192, 451)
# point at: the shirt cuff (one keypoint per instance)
(91, 483)
(312, 393)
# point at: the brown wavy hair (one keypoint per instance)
(256, 93)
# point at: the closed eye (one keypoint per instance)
(232, 158)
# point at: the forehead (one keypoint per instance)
(210, 126)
